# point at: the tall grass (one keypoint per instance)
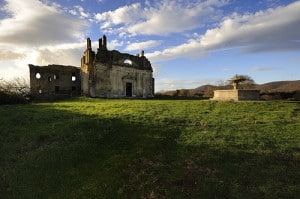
(96, 148)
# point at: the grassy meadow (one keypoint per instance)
(97, 148)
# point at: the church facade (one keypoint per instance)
(112, 74)
(105, 74)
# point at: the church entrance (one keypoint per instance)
(128, 89)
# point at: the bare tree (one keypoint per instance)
(221, 82)
(242, 81)
(17, 85)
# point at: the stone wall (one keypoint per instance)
(252, 95)
(236, 95)
(112, 74)
(111, 82)
(87, 69)
(54, 81)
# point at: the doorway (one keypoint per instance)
(128, 89)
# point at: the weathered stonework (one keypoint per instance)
(236, 95)
(108, 74)
(54, 81)
(112, 74)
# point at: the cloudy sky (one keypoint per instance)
(189, 42)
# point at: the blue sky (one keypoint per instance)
(189, 42)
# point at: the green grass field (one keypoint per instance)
(96, 148)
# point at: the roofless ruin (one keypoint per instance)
(107, 73)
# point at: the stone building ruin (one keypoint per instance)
(54, 81)
(113, 74)
(108, 74)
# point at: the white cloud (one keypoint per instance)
(65, 54)
(171, 16)
(73, 12)
(9, 70)
(272, 30)
(37, 33)
(15, 63)
(33, 23)
(190, 49)
(113, 44)
(262, 68)
(262, 31)
(162, 17)
(142, 45)
(7, 54)
(122, 15)
(81, 12)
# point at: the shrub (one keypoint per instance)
(14, 91)
(11, 98)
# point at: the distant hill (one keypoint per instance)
(269, 91)
(280, 86)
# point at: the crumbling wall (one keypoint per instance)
(87, 69)
(54, 81)
(113, 74)
(111, 82)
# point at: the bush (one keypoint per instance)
(11, 98)
(15, 91)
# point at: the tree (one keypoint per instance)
(17, 85)
(14, 91)
(221, 82)
(242, 82)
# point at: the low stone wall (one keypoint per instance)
(236, 95)
(252, 95)
(226, 95)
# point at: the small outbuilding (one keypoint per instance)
(237, 94)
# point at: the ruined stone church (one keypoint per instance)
(108, 74)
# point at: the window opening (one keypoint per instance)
(55, 76)
(38, 75)
(73, 77)
(73, 88)
(49, 79)
(128, 61)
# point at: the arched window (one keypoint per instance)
(128, 61)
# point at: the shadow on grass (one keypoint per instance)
(53, 153)
(166, 97)
(49, 153)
